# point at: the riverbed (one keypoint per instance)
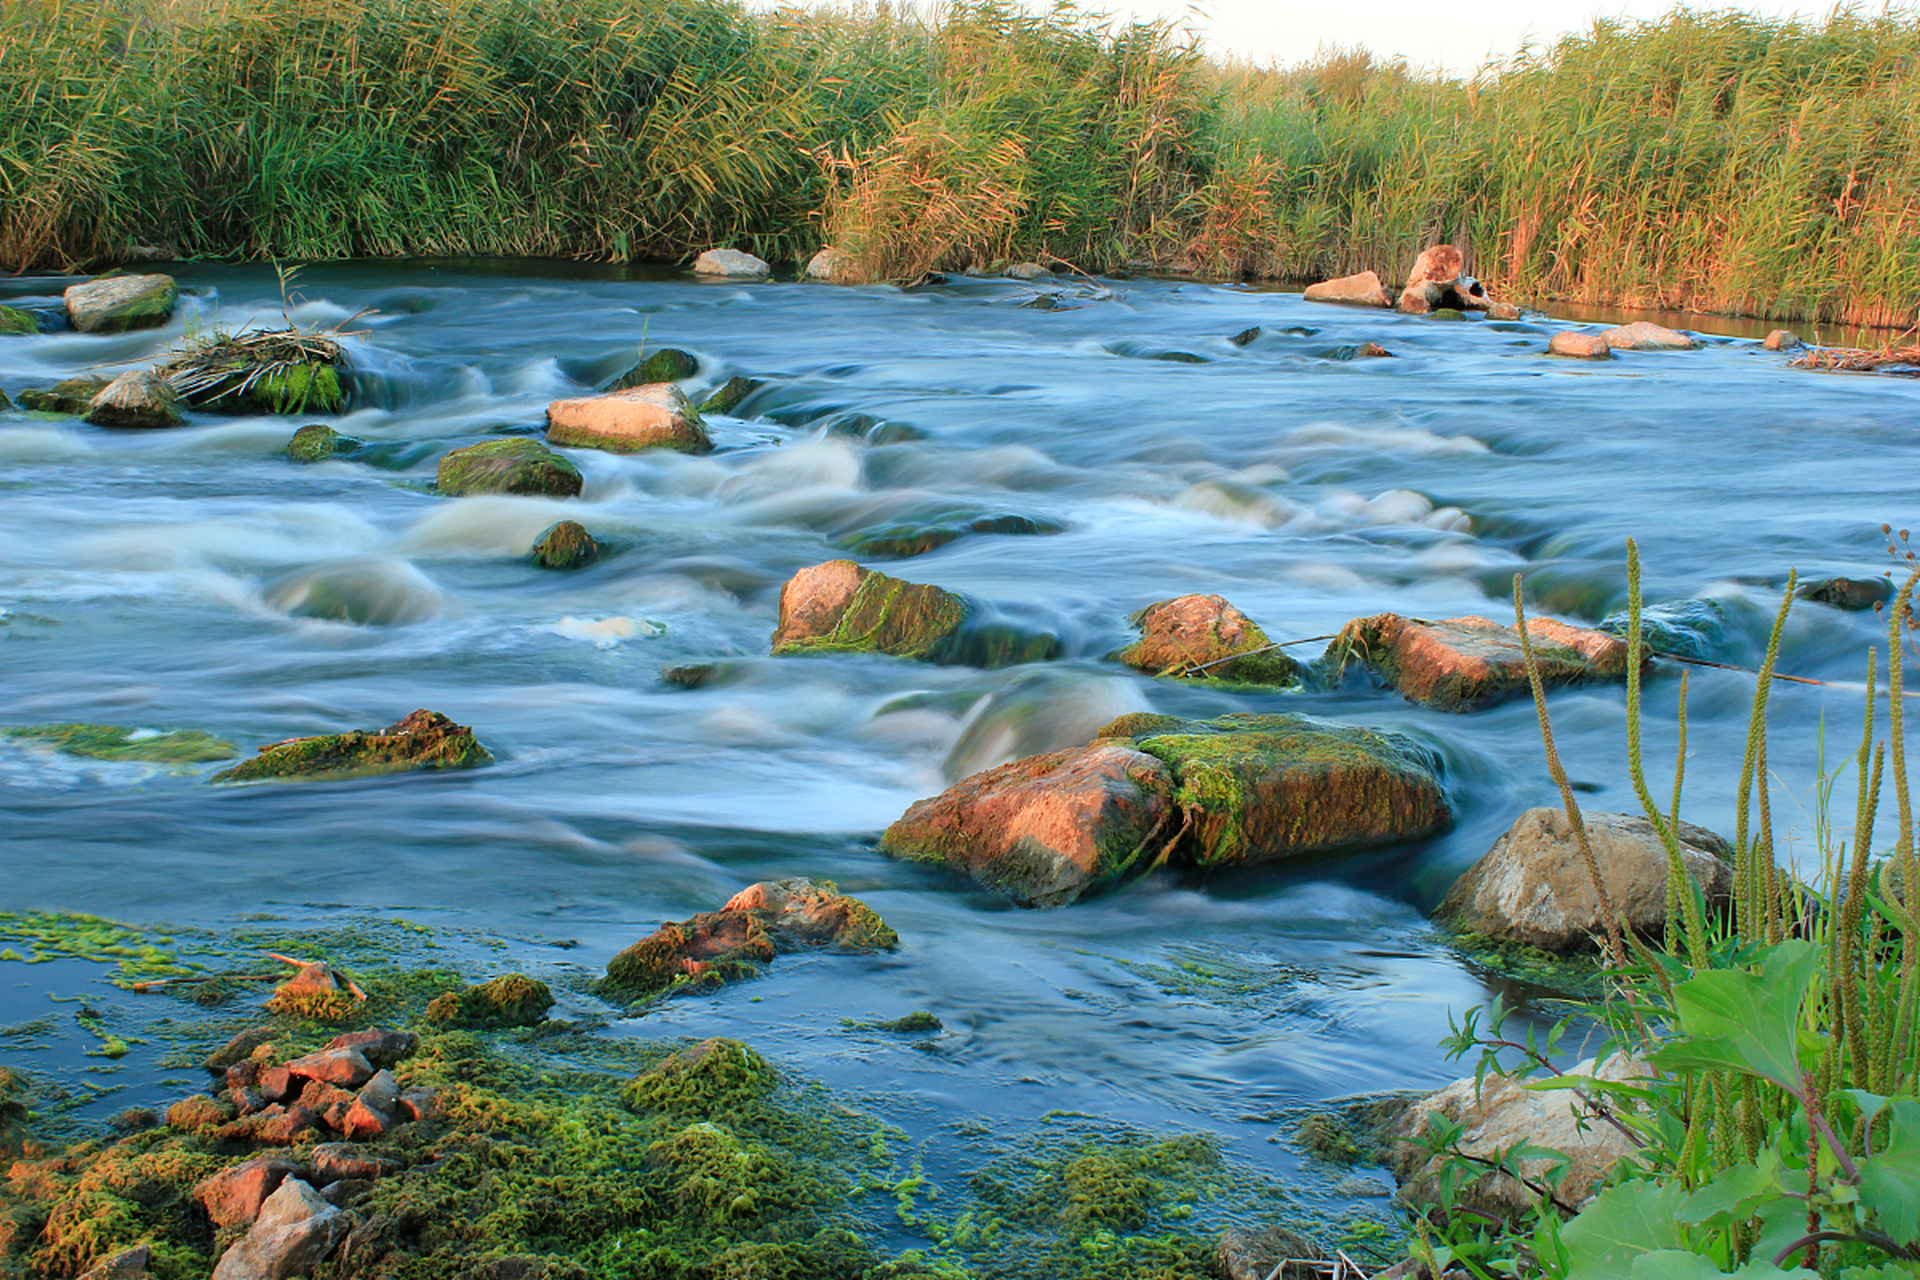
(156, 580)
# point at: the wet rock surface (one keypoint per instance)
(1202, 636)
(1460, 664)
(517, 466)
(1361, 290)
(1579, 346)
(117, 303)
(422, 740)
(566, 545)
(72, 395)
(1644, 335)
(136, 401)
(843, 607)
(652, 416)
(510, 1000)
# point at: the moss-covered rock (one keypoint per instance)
(566, 545)
(317, 442)
(261, 371)
(72, 395)
(756, 924)
(730, 394)
(517, 465)
(653, 416)
(841, 607)
(914, 538)
(1204, 637)
(1259, 788)
(1848, 593)
(510, 1000)
(1461, 664)
(668, 364)
(423, 740)
(116, 303)
(140, 400)
(15, 322)
(116, 742)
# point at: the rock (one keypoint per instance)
(1532, 887)
(668, 364)
(364, 1121)
(129, 1264)
(510, 1000)
(756, 924)
(296, 1231)
(1437, 284)
(280, 371)
(1503, 311)
(16, 323)
(1362, 290)
(344, 1068)
(1498, 1114)
(1049, 829)
(71, 396)
(378, 1047)
(689, 1081)
(834, 267)
(1200, 636)
(121, 302)
(283, 1126)
(1579, 346)
(198, 1113)
(239, 1049)
(910, 538)
(518, 465)
(6, 405)
(316, 992)
(422, 740)
(731, 263)
(1644, 335)
(566, 545)
(655, 416)
(1782, 340)
(419, 1104)
(1029, 271)
(235, 1195)
(277, 1084)
(316, 442)
(733, 392)
(335, 1161)
(1847, 593)
(1245, 337)
(840, 607)
(135, 400)
(1261, 1255)
(1372, 351)
(1261, 788)
(1461, 664)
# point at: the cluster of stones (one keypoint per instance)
(1438, 283)
(343, 1091)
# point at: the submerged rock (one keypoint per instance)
(518, 465)
(730, 394)
(1644, 335)
(1204, 637)
(1684, 628)
(1361, 290)
(1460, 664)
(118, 303)
(510, 1000)
(1264, 1254)
(15, 322)
(913, 539)
(841, 607)
(1437, 283)
(1533, 887)
(732, 263)
(1847, 593)
(116, 742)
(70, 396)
(423, 740)
(6, 405)
(566, 545)
(655, 416)
(668, 364)
(1579, 346)
(366, 593)
(316, 442)
(141, 400)
(755, 925)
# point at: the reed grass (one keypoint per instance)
(1705, 161)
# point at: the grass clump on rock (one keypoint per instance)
(261, 371)
(511, 1000)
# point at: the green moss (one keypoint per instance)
(71, 396)
(913, 539)
(566, 545)
(511, 1000)
(517, 465)
(316, 442)
(1330, 1138)
(114, 742)
(1580, 976)
(730, 395)
(14, 321)
(413, 743)
(138, 955)
(913, 1023)
(887, 615)
(713, 1076)
(296, 388)
(668, 364)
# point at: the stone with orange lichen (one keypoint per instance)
(653, 416)
(1438, 281)
(1049, 829)
(1204, 636)
(1460, 664)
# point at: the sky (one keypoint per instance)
(1454, 38)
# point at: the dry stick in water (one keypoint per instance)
(1247, 653)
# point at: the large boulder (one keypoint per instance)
(1533, 887)
(1204, 636)
(1362, 290)
(1579, 346)
(296, 1231)
(516, 465)
(756, 924)
(1263, 788)
(1049, 829)
(651, 416)
(731, 262)
(1437, 283)
(1644, 335)
(140, 400)
(121, 302)
(423, 740)
(842, 607)
(1498, 1112)
(1460, 664)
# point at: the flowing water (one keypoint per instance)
(158, 580)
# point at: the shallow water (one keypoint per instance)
(152, 580)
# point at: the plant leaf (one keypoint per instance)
(1622, 1223)
(1680, 1264)
(1736, 1192)
(1890, 1181)
(1734, 1020)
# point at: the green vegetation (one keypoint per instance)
(116, 742)
(1779, 1132)
(1715, 161)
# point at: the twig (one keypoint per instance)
(1778, 675)
(154, 984)
(1248, 653)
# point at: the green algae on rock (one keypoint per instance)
(422, 740)
(566, 545)
(517, 466)
(71, 396)
(730, 395)
(14, 322)
(510, 1000)
(113, 304)
(909, 538)
(317, 442)
(668, 364)
(1461, 664)
(261, 371)
(756, 924)
(842, 607)
(116, 742)
(1196, 636)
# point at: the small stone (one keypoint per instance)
(246, 1101)
(692, 676)
(1371, 351)
(1204, 637)
(235, 1195)
(363, 1121)
(1847, 593)
(1579, 346)
(1782, 340)
(418, 1105)
(566, 545)
(197, 1113)
(422, 740)
(841, 607)
(70, 396)
(516, 466)
(16, 323)
(381, 1048)
(1644, 335)
(1462, 664)
(1028, 271)
(347, 1068)
(129, 1264)
(320, 1097)
(668, 364)
(239, 1048)
(1361, 290)
(1245, 336)
(834, 267)
(382, 1092)
(121, 302)
(243, 1073)
(731, 263)
(655, 416)
(731, 394)
(1503, 311)
(296, 1231)
(282, 1126)
(333, 1161)
(316, 442)
(1257, 1255)
(135, 401)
